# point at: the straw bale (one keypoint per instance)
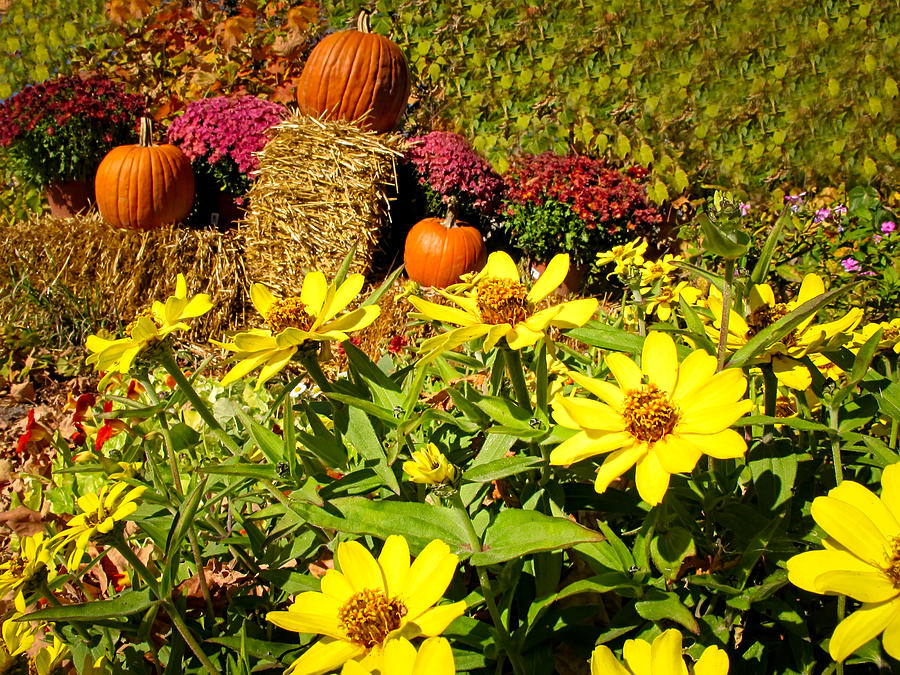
(321, 188)
(127, 269)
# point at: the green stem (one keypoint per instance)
(198, 561)
(841, 610)
(726, 314)
(190, 639)
(170, 451)
(639, 307)
(770, 387)
(146, 576)
(484, 580)
(310, 360)
(517, 377)
(168, 362)
(835, 445)
(47, 594)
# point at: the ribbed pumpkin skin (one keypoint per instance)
(436, 255)
(350, 73)
(142, 188)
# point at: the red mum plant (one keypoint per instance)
(575, 204)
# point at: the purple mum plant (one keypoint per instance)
(222, 135)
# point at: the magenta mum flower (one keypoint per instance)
(888, 226)
(850, 265)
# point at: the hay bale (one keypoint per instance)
(126, 270)
(321, 188)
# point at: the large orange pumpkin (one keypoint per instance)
(144, 186)
(438, 252)
(356, 75)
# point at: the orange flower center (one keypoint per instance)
(129, 329)
(17, 566)
(649, 414)
(501, 301)
(893, 567)
(890, 332)
(784, 406)
(369, 616)
(289, 313)
(764, 316)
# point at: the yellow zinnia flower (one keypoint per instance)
(861, 559)
(497, 305)
(625, 256)
(654, 270)
(34, 555)
(430, 466)
(100, 514)
(662, 416)
(17, 638)
(149, 327)
(890, 335)
(661, 657)
(668, 297)
(401, 658)
(370, 602)
(295, 321)
(806, 338)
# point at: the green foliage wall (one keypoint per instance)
(38, 36)
(744, 92)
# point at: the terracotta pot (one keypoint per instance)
(70, 197)
(573, 282)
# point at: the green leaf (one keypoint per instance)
(501, 468)
(695, 325)
(669, 549)
(771, 334)
(255, 471)
(504, 412)
(125, 604)
(661, 606)
(727, 245)
(361, 434)
(761, 268)
(515, 533)
(600, 335)
(258, 649)
(418, 523)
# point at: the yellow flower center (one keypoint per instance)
(289, 313)
(369, 616)
(17, 566)
(890, 332)
(784, 406)
(501, 301)
(893, 567)
(765, 315)
(32, 666)
(93, 519)
(129, 329)
(649, 414)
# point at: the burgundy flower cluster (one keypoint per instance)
(48, 107)
(447, 164)
(226, 127)
(595, 192)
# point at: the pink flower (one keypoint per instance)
(888, 226)
(850, 265)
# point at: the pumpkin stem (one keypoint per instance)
(362, 22)
(452, 211)
(146, 138)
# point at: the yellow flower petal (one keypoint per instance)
(428, 578)
(659, 361)
(319, 615)
(358, 565)
(651, 478)
(343, 296)
(811, 287)
(865, 500)
(436, 312)
(890, 488)
(494, 334)
(605, 391)
(712, 419)
(521, 336)
(394, 562)
(713, 661)
(860, 627)
(353, 668)
(262, 298)
(869, 586)
(274, 364)
(254, 341)
(665, 654)
(727, 444)
(335, 586)
(435, 620)
(603, 662)
(575, 313)
(637, 656)
(694, 374)
(590, 414)
(791, 372)
(198, 305)
(891, 637)
(435, 658)
(677, 454)
(399, 657)
(761, 294)
(626, 371)
(243, 367)
(585, 444)
(313, 292)
(616, 464)
(355, 320)
(554, 274)
(325, 656)
(851, 528)
(501, 266)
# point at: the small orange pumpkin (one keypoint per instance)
(144, 186)
(438, 252)
(356, 75)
